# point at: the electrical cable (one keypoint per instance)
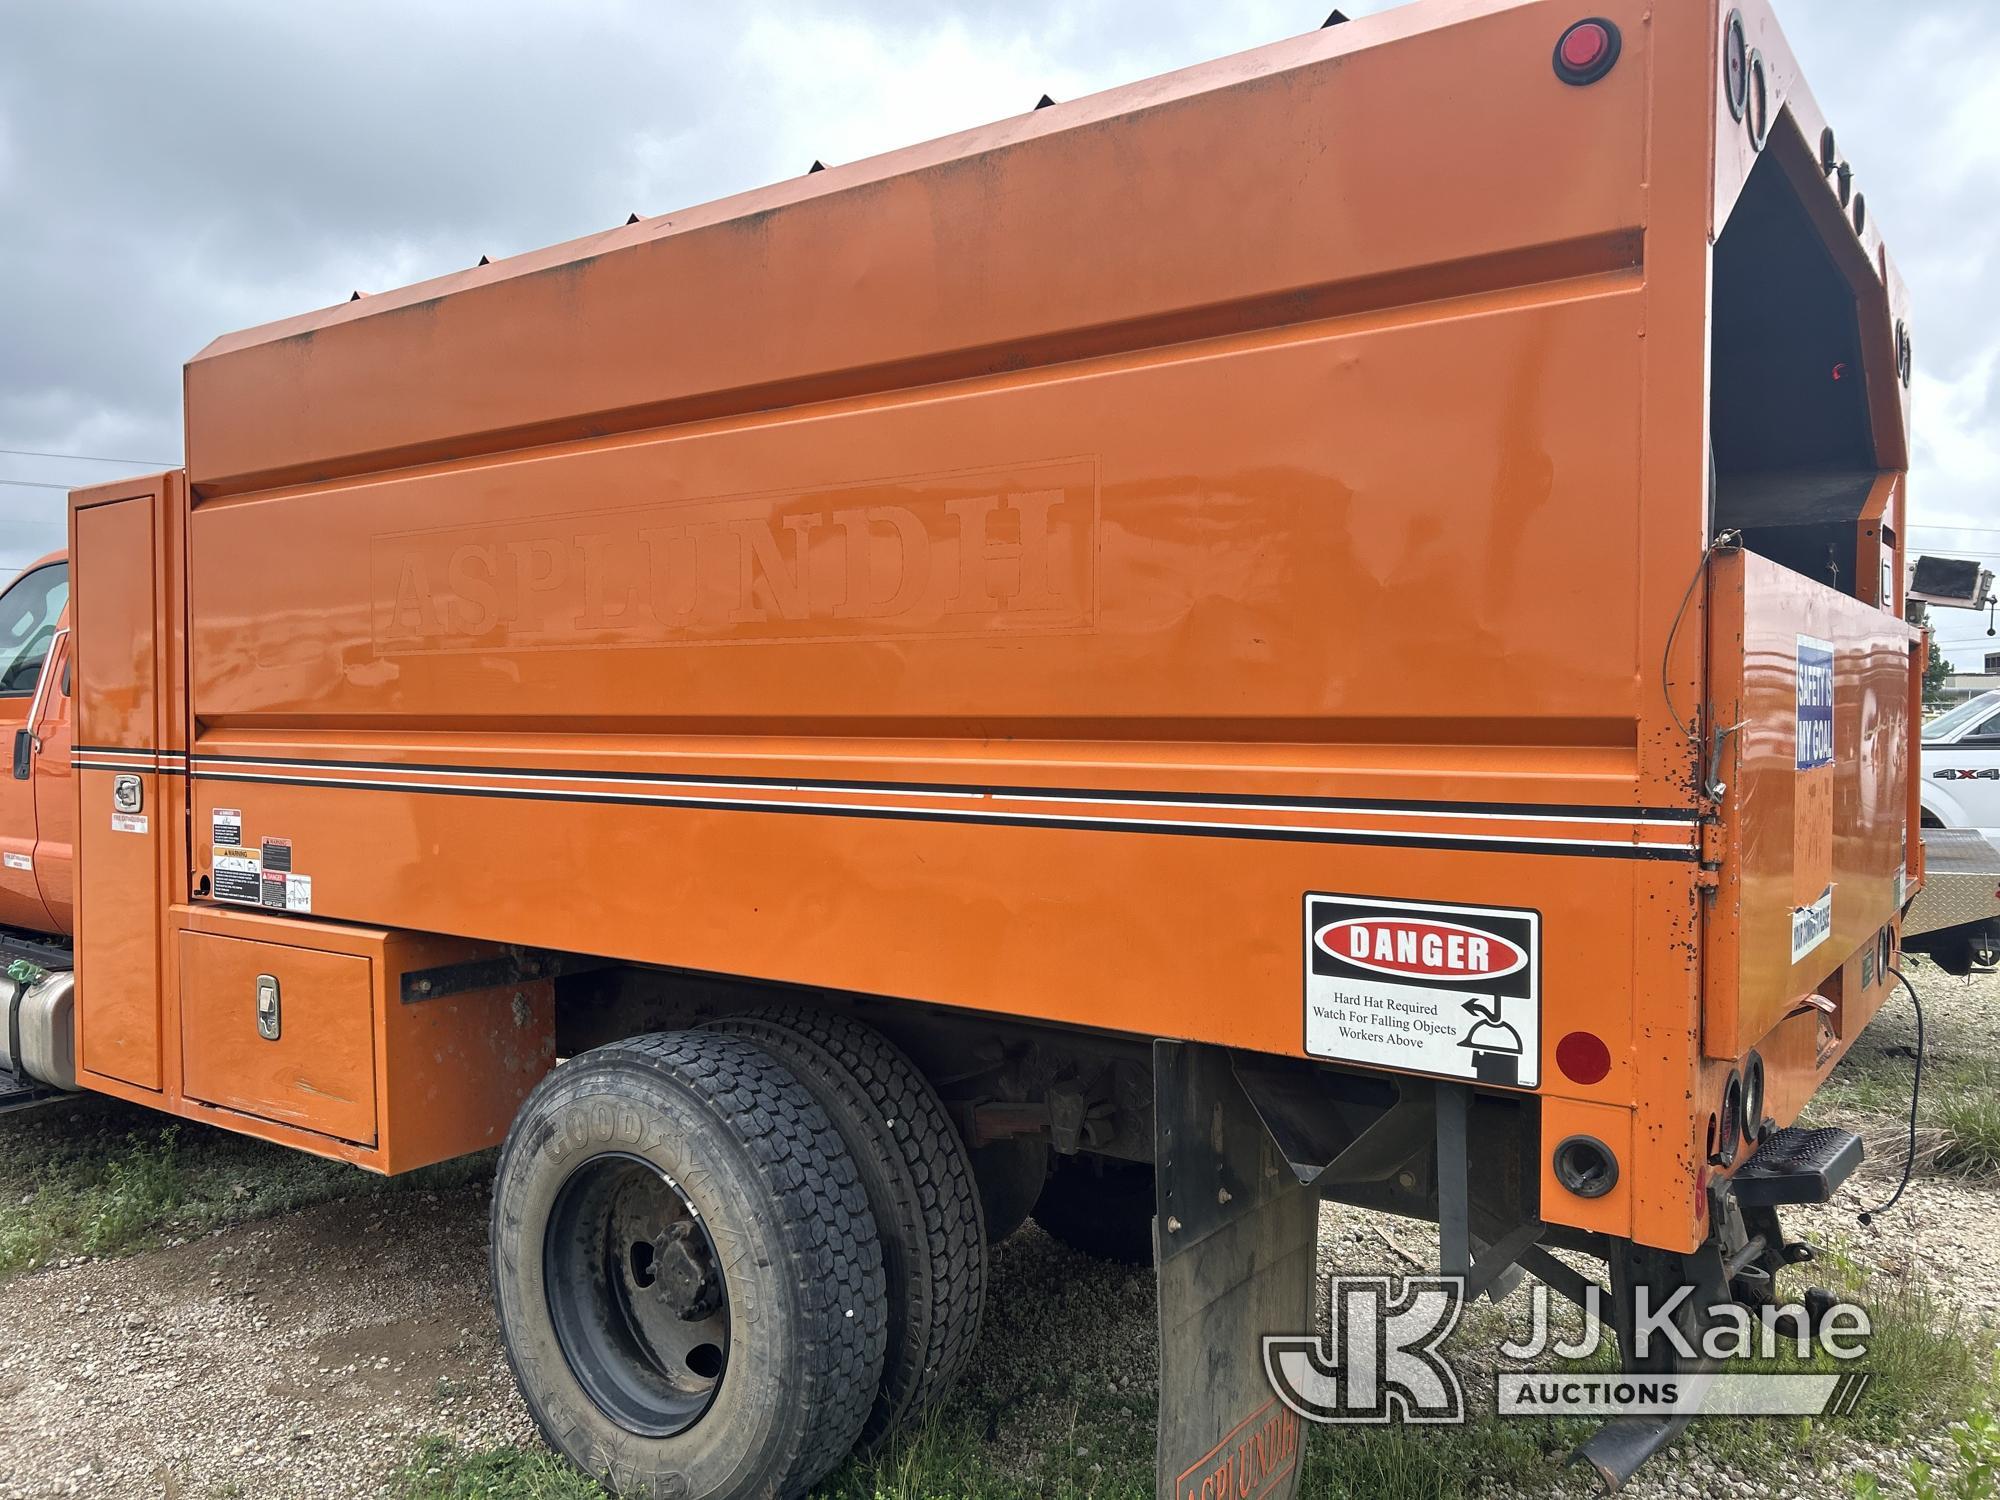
(1916, 1090)
(1725, 539)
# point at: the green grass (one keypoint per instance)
(946, 1460)
(443, 1470)
(1970, 1120)
(1038, 1417)
(95, 1176)
(1060, 1405)
(1958, 1111)
(1928, 1358)
(937, 1465)
(1486, 1456)
(1928, 1364)
(1060, 1402)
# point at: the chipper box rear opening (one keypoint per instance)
(1326, 625)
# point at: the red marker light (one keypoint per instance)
(1585, 45)
(1587, 51)
(1840, 372)
(1583, 1057)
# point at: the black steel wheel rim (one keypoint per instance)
(636, 1294)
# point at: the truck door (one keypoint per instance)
(55, 787)
(31, 612)
(130, 832)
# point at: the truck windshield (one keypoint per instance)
(28, 614)
(1947, 724)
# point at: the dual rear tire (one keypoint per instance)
(919, 1184)
(721, 1258)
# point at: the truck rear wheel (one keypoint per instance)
(1102, 1207)
(918, 1178)
(687, 1274)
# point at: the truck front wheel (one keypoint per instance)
(686, 1270)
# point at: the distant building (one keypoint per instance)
(1970, 684)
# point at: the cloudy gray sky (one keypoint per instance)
(171, 172)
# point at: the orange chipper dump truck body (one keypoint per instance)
(1376, 559)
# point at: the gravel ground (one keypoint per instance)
(305, 1355)
(1942, 1236)
(301, 1356)
(1946, 1231)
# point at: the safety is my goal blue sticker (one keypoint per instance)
(1815, 716)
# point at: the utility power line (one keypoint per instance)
(37, 484)
(85, 458)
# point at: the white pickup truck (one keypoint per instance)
(1961, 766)
(1956, 917)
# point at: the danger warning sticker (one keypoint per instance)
(1454, 991)
(277, 860)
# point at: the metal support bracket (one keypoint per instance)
(513, 967)
(1454, 1180)
(1561, 1277)
(1616, 1450)
(1490, 1272)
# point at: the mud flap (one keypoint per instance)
(1235, 1238)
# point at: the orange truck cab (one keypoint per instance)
(38, 794)
(1326, 625)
